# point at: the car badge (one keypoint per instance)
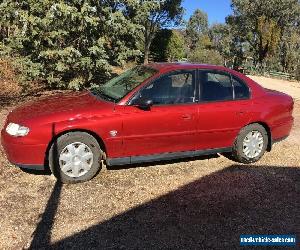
(113, 133)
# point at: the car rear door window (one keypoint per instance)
(241, 90)
(215, 86)
(173, 88)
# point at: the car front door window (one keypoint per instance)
(174, 88)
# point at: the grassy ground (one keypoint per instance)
(203, 203)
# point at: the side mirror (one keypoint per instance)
(143, 103)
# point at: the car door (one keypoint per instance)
(224, 108)
(167, 126)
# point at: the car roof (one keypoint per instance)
(183, 65)
(163, 67)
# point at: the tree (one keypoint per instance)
(202, 46)
(262, 23)
(196, 26)
(155, 15)
(222, 40)
(290, 50)
(175, 47)
(204, 51)
(204, 42)
(158, 49)
(269, 35)
(68, 43)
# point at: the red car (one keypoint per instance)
(149, 113)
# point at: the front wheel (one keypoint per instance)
(75, 157)
(251, 144)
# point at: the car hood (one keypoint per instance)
(61, 104)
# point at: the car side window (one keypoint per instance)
(173, 88)
(215, 86)
(241, 91)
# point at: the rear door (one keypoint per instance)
(170, 124)
(224, 108)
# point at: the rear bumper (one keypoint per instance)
(23, 155)
(282, 131)
(279, 139)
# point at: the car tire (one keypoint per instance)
(250, 144)
(75, 157)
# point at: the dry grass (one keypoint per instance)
(185, 204)
(9, 86)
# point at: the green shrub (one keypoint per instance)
(175, 47)
(297, 72)
(67, 44)
(206, 56)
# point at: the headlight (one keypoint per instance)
(16, 130)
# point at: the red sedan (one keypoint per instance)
(149, 113)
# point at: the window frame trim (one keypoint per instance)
(243, 83)
(200, 84)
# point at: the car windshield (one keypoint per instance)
(118, 87)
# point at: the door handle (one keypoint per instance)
(186, 117)
(241, 112)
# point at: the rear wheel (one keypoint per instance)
(75, 157)
(251, 144)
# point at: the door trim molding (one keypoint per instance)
(164, 156)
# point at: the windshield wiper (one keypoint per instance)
(100, 93)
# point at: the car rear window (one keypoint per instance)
(216, 86)
(241, 91)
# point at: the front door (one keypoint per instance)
(170, 125)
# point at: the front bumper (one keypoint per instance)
(23, 155)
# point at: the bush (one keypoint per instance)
(206, 56)
(297, 72)
(175, 47)
(67, 44)
(167, 45)
(159, 45)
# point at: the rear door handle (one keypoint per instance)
(186, 117)
(241, 112)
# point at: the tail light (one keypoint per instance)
(291, 107)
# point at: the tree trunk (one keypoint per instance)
(146, 56)
(148, 38)
(147, 50)
(262, 52)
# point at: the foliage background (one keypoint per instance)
(76, 43)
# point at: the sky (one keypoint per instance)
(216, 10)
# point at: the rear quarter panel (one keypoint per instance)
(275, 110)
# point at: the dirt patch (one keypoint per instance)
(289, 87)
(203, 203)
